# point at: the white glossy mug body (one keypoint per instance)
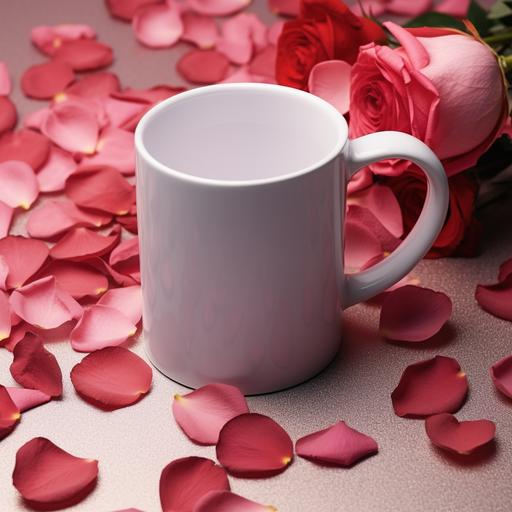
(241, 198)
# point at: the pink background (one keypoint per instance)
(134, 444)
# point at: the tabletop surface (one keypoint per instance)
(135, 443)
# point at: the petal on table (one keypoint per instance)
(127, 300)
(81, 243)
(9, 413)
(505, 270)
(285, 7)
(227, 501)
(95, 86)
(252, 445)
(457, 8)
(5, 80)
(54, 173)
(185, 481)
(330, 80)
(111, 378)
(158, 26)
(26, 145)
(49, 38)
(263, 63)
(4, 270)
(44, 81)
(202, 413)
(84, 54)
(217, 7)
(501, 374)
(6, 213)
(18, 184)
(5, 316)
(496, 298)
(203, 66)
(361, 246)
(199, 29)
(8, 115)
(126, 250)
(125, 9)
(120, 112)
(26, 399)
(120, 278)
(429, 387)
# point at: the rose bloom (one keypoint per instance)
(442, 86)
(324, 30)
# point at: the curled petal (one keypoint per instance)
(18, 184)
(125, 9)
(129, 222)
(202, 413)
(501, 374)
(203, 66)
(253, 445)
(199, 29)
(464, 437)
(127, 300)
(158, 26)
(100, 327)
(43, 81)
(5, 80)
(338, 445)
(218, 7)
(82, 243)
(49, 38)
(84, 54)
(9, 413)
(284, 7)
(8, 115)
(34, 367)
(54, 173)
(227, 501)
(184, 482)
(125, 258)
(330, 80)
(46, 474)
(430, 387)
(111, 378)
(6, 213)
(361, 246)
(496, 298)
(26, 145)
(96, 86)
(120, 278)
(26, 399)
(5, 316)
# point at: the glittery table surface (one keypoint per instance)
(135, 443)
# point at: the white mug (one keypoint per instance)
(241, 201)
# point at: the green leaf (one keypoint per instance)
(478, 16)
(435, 19)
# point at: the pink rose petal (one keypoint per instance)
(199, 29)
(9, 413)
(43, 81)
(361, 245)
(158, 26)
(125, 258)
(263, 63)
(330, 80)
(6, 213)
(217, 7)
(501, 374)
(408, 8)
(8, 115)
(202, 413)
(120, 278)
(129, 222)
(274, 31)
(81, 243)
(26, 399)
(253, 445)
(96, 86)
(18, 184)
(127, 300)
(121, 112)
(5, 80)
(54, 173)
(49, 38)
(84, 54)
(227, 501)
(4, 270)
(203, 66)
(284, 7)
(26, 145)
(430, 387)
(496, 298)
(184, 482)
(125, 9)
(5, 316)
(457, 8)
(149, 96)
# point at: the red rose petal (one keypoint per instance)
(54, 173)
(6, 213)
(361, 245)
(84, 54)
(121, 112)
(100, 327)
(202, 413)
(125, 259)
(8, 115)
(5, 80)
(96, 86)
(127, 300)
(112, 378)
(18, 184)
(129, 222)
(284, 7)
(26, 145)
(338, 445)
(82, 243)
(5, 316)
(46, 474)
(199, 29)
(43, 81)
(505, 270)
(26, 399)
(125, 9)
(9, 413)
(203, 66)
(412, 313)
(4, 270)
(227, 501)
(158, 26)
(34, 367)
(43, 304)
(102, 189)
(23, 256)
(185, 481)
(19, 332)
(121, 279)
(218, 7)
(496, 298)
(464, 437)
(501, 374)
(149, 96)
(430, 387)
(253, 445)
(264, 63)
(48, 38)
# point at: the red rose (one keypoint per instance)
(324, 30)
(460, 233)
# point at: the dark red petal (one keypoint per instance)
(129, 222)
(505, 270)
(496, 298)
(84, 54)
(430, 387)
(253, 445)
(46, 474)
(97, 86)
(125, 9)
(185, 481)
(446, 432)
(227, 501)
(203, 66)
(102, 188)
(44, 81)
(82, 243)
(338, 445)
(25, 145)
(112, 378)
(9, 413)
(501, 374)
(8, 115)
(23, 256)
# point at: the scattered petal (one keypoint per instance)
(120, 278)
(43, 81)
(158, 26)
(26, 399)
(185, 481)
(501, 373)
(54, 173)
(18, 184)
(81, 243)
(496, 298)
(112, 377)
(457, 8)
(5, 316)
(125, 9)
(330, 80)
(285, 7)
(264, 63)
(361, 246)
(84, 54)
(430, 387)
(203, 66)
(46, 474)
(505, 270)
(26, 145)
(9, 413)
(464, 437)
(199, 29)
(4, 270)
(96, 86)
(129, 222)
(6, 213)
(121, 112)
(5, 80)
(8, 115)
(48, 38)
(127, 300)
(253, 445)
(18, 333)
(227, 501)
(202, 413)
(125, 258)
(218, 7)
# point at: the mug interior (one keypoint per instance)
(242, 132)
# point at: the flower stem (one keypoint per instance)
(501, 37)
(506, 63)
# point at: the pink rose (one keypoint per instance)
(443, 86)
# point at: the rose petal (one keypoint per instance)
(54, 173)
(26, 145)
(18, 184)
(6, 213)
(84, 54)
(227, 501)
(43, 81)
(158, 26)
(412, 313)
(274, 31)
(446, 432)
(202, 413)
(9, 413)
(102, 188)
(120, 278)
(125, 9)
(112, 378)
(430, 387)
(284, 7)
(457, 8)
(264, 63)
(126, 250)
(100, 327)
(5, 316)
(49, 38)
(96, 86)
(505, 270)
(253, 445)
(149, 96)
(18, 333)
(26, 399)
(501, 374)
(185, 481)
(203, 66)
(4, 270)
(34, 367)
(361, 245)
(5, 80)
(496, 298)
(23, 256)
(217, 7)
(330, 80)
(129, 222)
(46, 474)
(8, 115)
(121, 112)
(81, 243)
(43, 304)
(199, 29)
(127, 300)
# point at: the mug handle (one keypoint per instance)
(365, 150)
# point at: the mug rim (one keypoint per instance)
(142, 151)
